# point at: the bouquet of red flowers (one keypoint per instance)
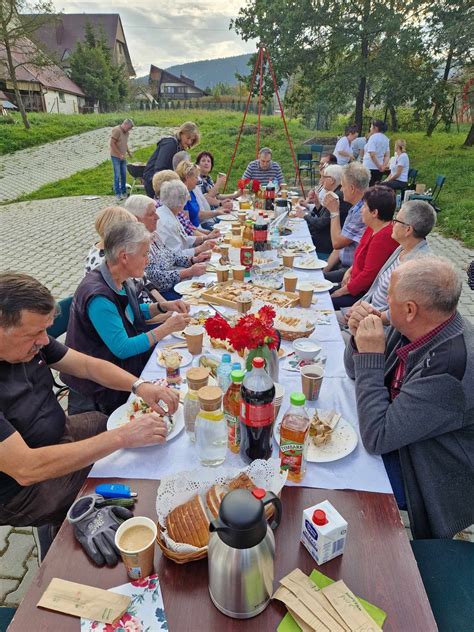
(244, 182)
(254, 332)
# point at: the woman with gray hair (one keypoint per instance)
(173, 197)
(413, 222)
(165, 267)
(319, 219)
(106, 321)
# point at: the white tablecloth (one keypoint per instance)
(359, 470)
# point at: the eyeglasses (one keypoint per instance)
(399, 221)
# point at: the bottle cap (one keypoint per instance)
(237, 376)
(210, 397)
(226, 357)
(236, 366)
(258, 363)
(297, 399)
(197, 377)
(319, 517)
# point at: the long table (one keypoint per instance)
(377, 564)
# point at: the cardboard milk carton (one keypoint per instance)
(323, 532)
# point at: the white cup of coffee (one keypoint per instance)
(135, 539)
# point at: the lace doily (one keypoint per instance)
(179, 488)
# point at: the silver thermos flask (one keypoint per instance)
(241, 553)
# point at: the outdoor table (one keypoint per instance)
(377, 564)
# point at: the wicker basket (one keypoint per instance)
(179, 558)
(294, 335)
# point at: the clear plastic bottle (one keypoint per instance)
(294, 437)
(232, 401)
(223, 372)
(196, 378)
(211, 428)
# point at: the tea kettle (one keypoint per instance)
(241, 553)
(282, 205)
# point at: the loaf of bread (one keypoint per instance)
(214, 498)
(188, 523)
(242, 481)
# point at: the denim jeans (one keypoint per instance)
(120, 175)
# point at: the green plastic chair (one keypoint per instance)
(318, 150)
(305, 165)
(447, 570)
(431, 198)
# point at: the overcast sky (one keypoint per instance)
(168, 32)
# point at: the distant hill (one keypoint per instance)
(210, 71)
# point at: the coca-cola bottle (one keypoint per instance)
(257, 413)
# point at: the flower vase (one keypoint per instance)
(271, 360)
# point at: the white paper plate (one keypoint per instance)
(300, 252)
(121, 416)
(322, 286)
(227, 218)
(185, 287)
(316, 264)
(186, 357)
(343, 441)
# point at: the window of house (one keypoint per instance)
(62, 97)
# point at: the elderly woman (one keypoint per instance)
(319, 220)
(186, 137)
(105, 219)
(205, 162)
(106, 320)
(165, 267)
(375, 247)
(414, 221)
(399, 167)
(197, 206)
(173, 197)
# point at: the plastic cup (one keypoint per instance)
(306, 295)
(242, 215)
(238, 272)
(222, 274)
(290, 280)
(311, 380)
(194, 335)
(288, 260)
(138, 562)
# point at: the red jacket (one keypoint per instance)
(370, 255)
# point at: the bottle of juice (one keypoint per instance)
(232, 401)
(294, 437)
(248, 234)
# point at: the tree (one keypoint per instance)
(335, 46)
(19, 20)
(450, 28)
(93, 69)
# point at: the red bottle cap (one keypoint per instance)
(259, 493)
(319, 517)
(258, 363)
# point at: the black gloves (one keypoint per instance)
(95, 528)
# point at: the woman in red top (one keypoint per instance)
(374, 248)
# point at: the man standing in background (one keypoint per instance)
(118, 150)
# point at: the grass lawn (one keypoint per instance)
(442, 154)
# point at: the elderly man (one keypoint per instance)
(346, 238)
(264, 169)
(118, 150)
(415, 395)
(44, 455)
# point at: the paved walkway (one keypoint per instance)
(26, 245)
(27, 170)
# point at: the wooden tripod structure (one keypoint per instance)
(263, 58)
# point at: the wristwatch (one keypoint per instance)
(333, 215)
(138, 383)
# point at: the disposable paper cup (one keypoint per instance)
(243, 306)
(311, 380)
(306, 295)
(290, 281)
(420, 188)
(288, 260)
(222, 274)
(194, 335)
(242, 215)
(238, 272)
(224, 248)
(139, 563)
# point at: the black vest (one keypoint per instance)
(82, 335)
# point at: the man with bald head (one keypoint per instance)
(415, 394)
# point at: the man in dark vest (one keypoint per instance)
(45, 456)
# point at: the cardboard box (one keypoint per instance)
(323, 532)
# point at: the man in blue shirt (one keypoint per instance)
(264, 169)
(355, 180)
